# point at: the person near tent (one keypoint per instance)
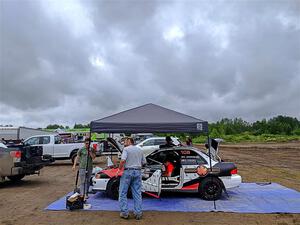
(189, 141)
(132, 160)
(168, 144)
(85, 163)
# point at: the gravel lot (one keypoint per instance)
(23, 202)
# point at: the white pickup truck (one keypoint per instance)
(52, 145)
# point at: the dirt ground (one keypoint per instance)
(23, 203)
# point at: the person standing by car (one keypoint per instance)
(132, 160)
(189, 141)
(169, 143)
(85, 157)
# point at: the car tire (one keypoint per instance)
(73, 156)
(112, 189)
(16, 178)
(210, 188)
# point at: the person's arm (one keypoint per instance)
(92, 153)
(144, 161)
(75, 161)
(122, 162)
(121, 166)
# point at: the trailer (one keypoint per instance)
(19, 133)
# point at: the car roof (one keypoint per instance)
(179, 148)
(158, 138)
(202, 153)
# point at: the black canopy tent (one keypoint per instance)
(149, 118)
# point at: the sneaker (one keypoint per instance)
(138, 217)
(124, 216)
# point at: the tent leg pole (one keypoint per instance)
(209, 155)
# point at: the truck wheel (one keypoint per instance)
(210, 188)
(112, 189)
(16, 178)
(73, 156)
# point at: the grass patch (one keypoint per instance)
(246, 137)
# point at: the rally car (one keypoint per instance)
(191, 173)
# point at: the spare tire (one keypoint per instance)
(210, 188)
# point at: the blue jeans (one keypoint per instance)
(132, 179)
(82, 180)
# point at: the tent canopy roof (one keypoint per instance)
(149, 118)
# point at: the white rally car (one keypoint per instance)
(191, 173)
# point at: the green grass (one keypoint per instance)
(246, 137)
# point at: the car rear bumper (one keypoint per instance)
(99, 184)
(231, 181)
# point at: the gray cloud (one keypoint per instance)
(74, 61)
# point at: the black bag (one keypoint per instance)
(76, 203)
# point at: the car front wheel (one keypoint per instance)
(112, 189)
(210, 188)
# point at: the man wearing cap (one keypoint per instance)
(132, 160)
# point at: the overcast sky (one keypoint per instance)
(75, 61)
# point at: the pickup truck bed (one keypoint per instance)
(18, 161)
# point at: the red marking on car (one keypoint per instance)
(151, 194)
(191, 187)
(185, 152)
(234, 171)
(112, 172)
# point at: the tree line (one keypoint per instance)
(283, 125)
(76, 126)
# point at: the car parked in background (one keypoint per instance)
(139, 137)
(18, 161)
(53, 145)
(151, 144)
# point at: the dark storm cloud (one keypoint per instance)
(76, 61)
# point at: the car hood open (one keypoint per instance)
(115, 144)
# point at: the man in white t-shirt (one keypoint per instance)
(132, 160)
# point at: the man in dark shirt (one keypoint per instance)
(168, 144)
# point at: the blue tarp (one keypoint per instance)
(248, 198)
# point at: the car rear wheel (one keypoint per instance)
(112, 189)
(16, 178)
(210, 188)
